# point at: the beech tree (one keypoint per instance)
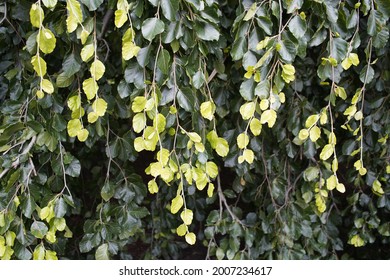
(194, 129)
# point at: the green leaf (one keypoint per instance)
(102, 252)
(39, 229)
(176, 204)
(187, 216)
(164, 61)
(138, 104)
(90, 88)
(60, 207)
(75, 15)
(293, 5)
(170, 9)
(51, 255)
(97, 69)
(338, 49)
(287, 50)
(263, 89)
(92, 4)
(151, 27)
(297, 27)
(46, 40)
(71, 65)
(198, 79)
(152, 186)
(242, 140)
(312, 120)
(39, 65)
(239, 48)
(82, 135)
(36, 15)
(190, 238)
(207, 110)
(327, 152)
(384, 7)
(49, 3)
(247, 89)
(159, 122)
(367, 74)
(206, 31)
(99, 106)
(74, 126)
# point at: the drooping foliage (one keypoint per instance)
(194, 129)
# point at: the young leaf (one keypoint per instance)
(255, 126)
(248, 156)
(159, 122)
(36, 15)
(187, 216)
(207, 110)
(102, 252)
(47, 86)
(269, 117)
(315, 133)
(242, 140)
(120, 18)
(152, 186)
(90, 88)
(139, 122)
(176, 204)
(303, 134)
(39, 65)
(210, 190)
(194, 137)
(221, 147)
(92, 117)
(326, 152)
(87, 52)
(82, 135)
(39, 252)
(211, 169)
(182, 230)
(99, 106)
(75, 15)
(247, 110)
(97, 69)
(47, 40)
(138, 104)
(74, 126)
(190, 238)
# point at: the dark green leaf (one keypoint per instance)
(206, 31)
(71, 65)
(186, 99)
(74, 168)
(247, 89)
(164, 61)
(92, 4)
(39, 229)
(151, 28)
(60, 208)
(170, 9)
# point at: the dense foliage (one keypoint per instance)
(194, 129)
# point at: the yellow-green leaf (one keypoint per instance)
(288, 73)
(194, 137)
(311, 120)
(84, 36)
(247, 110)
(221, 147)
(87, 52)
(99, 106)
(51, 255)
(326, 152)
(207, 110)
(331, 182)
(324, 117)
(210, 190)
(211, 169)
(120, 18)
(340, 91)
(138, 104)
(163, 156)
(139, 144)
(190, 238)
(340, 187)
(358, 115)
(377, 188)
(44, 212)
(357, 241)
(97, 69)
(47, 86)
(242, 140)
(46, 40)
(39, 65)
(90, 88)
(10, 238)
(187, 216)
(176, 204)
(36, 15)
(74, 126)
(152, 186)
(51, 236)
(248, 156)
(75, 15)
(129, 50)
(303, 134)
(346, 63)
(159, 122)
(92, 117)
(82, 135)
(182, 230)
(269, 117)
(251, 12)
(40, 94)
(139, 122)
(335, 165)
(354, 59)
(264, 104)
(263, 43)
(199, 147)
(315, 133)
(39, 252)
(255, 126)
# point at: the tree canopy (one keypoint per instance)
(194, 129)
